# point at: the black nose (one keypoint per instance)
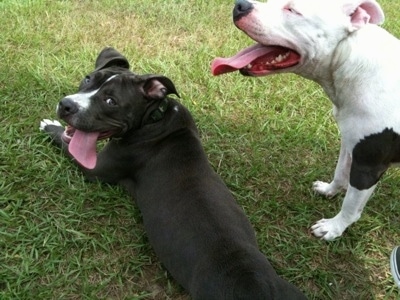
(242, 8)
(67, 107)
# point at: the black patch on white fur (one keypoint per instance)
(372, 156)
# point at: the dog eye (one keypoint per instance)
(291, 10)
(110, 102)
(87, 79)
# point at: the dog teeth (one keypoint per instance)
(279, 58)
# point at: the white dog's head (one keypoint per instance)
(294, 34)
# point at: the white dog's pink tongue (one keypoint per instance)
(83, 148)
(240, 60)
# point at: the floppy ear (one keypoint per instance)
(158, 87)
(364, 12)
(109, 57)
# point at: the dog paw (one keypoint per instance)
(328, 229)
(54, 129)
(46, 122)
(323, 188)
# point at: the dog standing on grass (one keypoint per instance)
(338, 44)
(196, 228)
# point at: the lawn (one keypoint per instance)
(268, 138)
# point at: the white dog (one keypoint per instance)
(338, 44)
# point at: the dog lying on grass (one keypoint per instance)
(196, 228)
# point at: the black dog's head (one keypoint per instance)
(111, 101)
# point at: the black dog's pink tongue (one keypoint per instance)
(240, 60)
(83, 148)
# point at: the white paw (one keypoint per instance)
(46, 122)
(327, 189)
(328, 229)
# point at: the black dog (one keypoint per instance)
(193, 223)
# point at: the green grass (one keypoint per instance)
(269, 139)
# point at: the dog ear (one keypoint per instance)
(158, 87)
(109, 57)
(364, 12)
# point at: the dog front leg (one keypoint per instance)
(341, 177)
(352, 207)
(55, 130)
(104, 170)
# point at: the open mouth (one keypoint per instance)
(257, 60)
(70, 131)
(82, 145)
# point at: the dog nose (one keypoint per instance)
(242, 8)
(67, 107)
